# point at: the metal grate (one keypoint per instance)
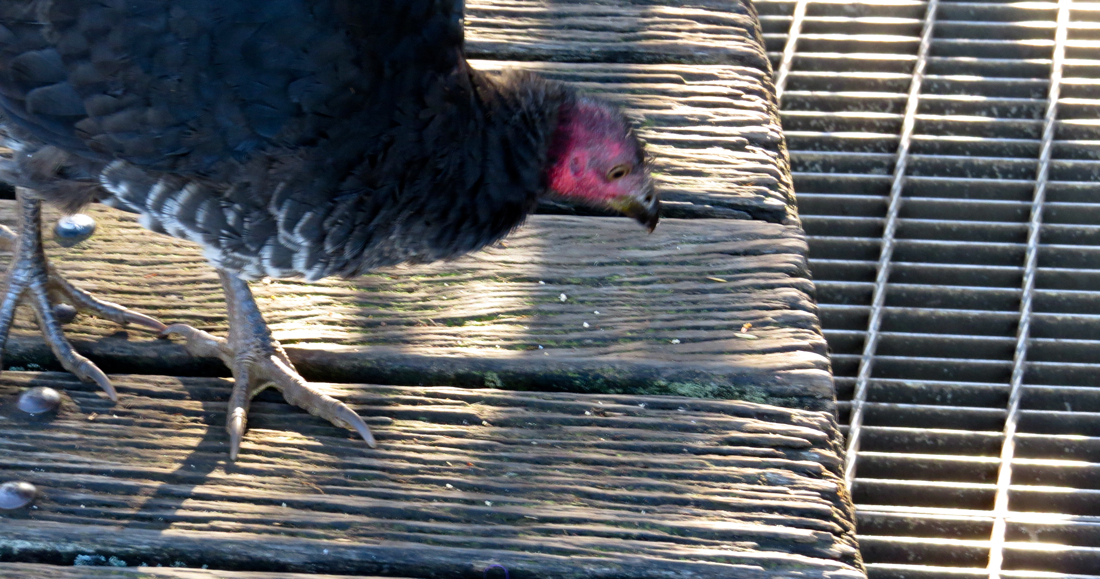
(947, 161)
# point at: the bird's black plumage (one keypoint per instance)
(288, 137)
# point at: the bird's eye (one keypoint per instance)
(618, 172)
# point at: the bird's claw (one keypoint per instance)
(31, 275)
(50, 325)
(258, 362)
(85, 302)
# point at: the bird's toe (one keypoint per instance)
(83, 301)
(274, 370)
(50, 324)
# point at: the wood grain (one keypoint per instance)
(633, 31)
(672, 306)
(546, 485)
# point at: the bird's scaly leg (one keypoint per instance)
(258, 362)
(30, 273)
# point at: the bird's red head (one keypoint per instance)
(598, 161)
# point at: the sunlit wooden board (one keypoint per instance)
(718, 308)
(559, 486)
(641, 31)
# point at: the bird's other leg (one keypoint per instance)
(31, 275)
(258, 362)
(81, 300)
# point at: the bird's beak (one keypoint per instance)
(645, 209)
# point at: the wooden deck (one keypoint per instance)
(584, 400)
(547, 485)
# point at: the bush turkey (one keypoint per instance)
(289, 138)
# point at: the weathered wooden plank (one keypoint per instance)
(713, 133)
(633, 31)
(39, 571)
(545, 485)
(671, 309)
(695, 70)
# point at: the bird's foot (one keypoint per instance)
(32, 276)
(259, 362)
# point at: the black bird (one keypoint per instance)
(289, 138)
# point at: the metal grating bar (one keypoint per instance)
(878, 299)
(784, 69)
(1023, 333)
(935, 400)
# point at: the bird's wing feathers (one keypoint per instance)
(289, 137)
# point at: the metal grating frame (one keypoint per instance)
(946, 157)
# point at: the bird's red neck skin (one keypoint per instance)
(588, 141)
